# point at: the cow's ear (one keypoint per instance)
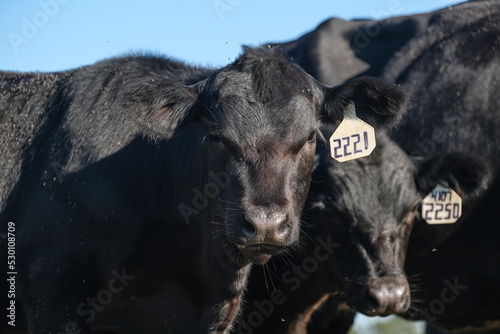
(466, 174)
(378, 103)
(158, 105)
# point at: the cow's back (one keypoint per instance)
(53, 124)
(452, 71)
(29, 105)
(338, 50)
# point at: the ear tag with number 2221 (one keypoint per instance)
(442, 206)
(353, 138)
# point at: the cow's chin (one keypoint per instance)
(261, 253)
(256, 254)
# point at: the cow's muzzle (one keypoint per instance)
(263, 232)
(385, 295)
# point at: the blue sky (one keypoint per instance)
(51, 35)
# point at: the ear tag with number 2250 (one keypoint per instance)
(353, 138)
(442, 206)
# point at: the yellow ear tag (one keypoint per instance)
(442, 206)
(353, 138)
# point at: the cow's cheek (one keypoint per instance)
(404, 239)
(220, 183)
(305, 161)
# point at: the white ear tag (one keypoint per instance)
(353, 138)
(442, 206)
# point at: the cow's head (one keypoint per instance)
(259, 118)
(369, 206)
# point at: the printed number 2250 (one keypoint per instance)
(439, 210)
(348, 145)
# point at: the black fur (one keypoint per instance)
(446, 61)
(153, 183)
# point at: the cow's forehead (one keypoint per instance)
(376, 191)
(238, 111)
(262, 97)
(246, 121)
(264, 84)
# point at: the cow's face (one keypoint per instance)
(369, 208)
(259, 118)
(262, 132)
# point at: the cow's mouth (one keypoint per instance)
(261, 253)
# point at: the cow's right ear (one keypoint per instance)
(157, 104)
(377, 102)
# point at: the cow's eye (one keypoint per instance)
(312, 137)
(415, 207)
(411, 215)
(214, 138)
(225, 143)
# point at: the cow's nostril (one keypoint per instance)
(371, 300)
(264, 227)
(403, 302)
(283, 227)
(248, 227)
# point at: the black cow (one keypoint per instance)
(448, 62)
(338, 50)
(358, 220)
(455, 80)
(350, 211)
(139, 189)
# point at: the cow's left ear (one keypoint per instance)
(467, 175)
(378, 103)
(157, 104)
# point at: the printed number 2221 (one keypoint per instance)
(348, 145)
